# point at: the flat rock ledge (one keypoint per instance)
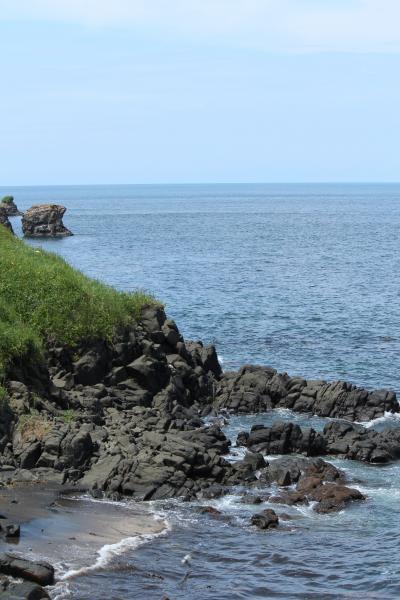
(45, 220)
(4, 219)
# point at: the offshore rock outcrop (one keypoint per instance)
(45, 220)
(258, 389)
(4, 219)
(7, 203)
(342, 439)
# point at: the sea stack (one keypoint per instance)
(44, 220)
(8, 205)
(4, 219)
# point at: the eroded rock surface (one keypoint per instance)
(343, 439)
(315, 481)
(44, 220)
(259, 389)
(124, 418)
(8, 205)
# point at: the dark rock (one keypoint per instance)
(258, 389)
(8, 205)
(24, 591)
(38, 572)
(4, 219)
(11, 530)
(359, 443)
(30, 455)
(267, 519)
(77, 448)
(91, 367)
(284, 438)
(332, 497)
(209, 510)
(44, 220)
(251, 499)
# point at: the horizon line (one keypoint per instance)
(199, 183)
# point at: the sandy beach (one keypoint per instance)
(73, 532)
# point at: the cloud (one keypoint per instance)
(270, 25)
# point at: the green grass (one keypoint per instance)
(69, 415)
(7, 200)
(42, 298)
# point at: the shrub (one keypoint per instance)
(33, 426)
(69, 415)
(7, 200)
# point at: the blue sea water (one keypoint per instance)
(304, 278)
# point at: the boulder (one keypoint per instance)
(38, 572)
(45, 220)
(11, 530)
(283, 438)
(24, 591)
(267, 519)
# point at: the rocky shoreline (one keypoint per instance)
(126, 418)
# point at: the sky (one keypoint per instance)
(177, 91)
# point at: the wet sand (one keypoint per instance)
(75, 533)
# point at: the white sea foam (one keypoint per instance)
(109, 551)
(388, 417)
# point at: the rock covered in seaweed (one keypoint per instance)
(7, 203)
(4, 219)
(45, 220)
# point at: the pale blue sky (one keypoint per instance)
(199, 91)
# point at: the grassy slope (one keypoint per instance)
(42, 297)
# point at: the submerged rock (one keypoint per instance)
(7, 203)
(267, 519)
(4, 219)
(44, 220)
(316, 481)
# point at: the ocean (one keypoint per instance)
(301, 277)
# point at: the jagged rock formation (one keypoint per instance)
(259, 389)
(120, 417)
(283, 438)
(44, 220)
(124, 417)
(4, 219)
(345, 440)
(7, 203)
